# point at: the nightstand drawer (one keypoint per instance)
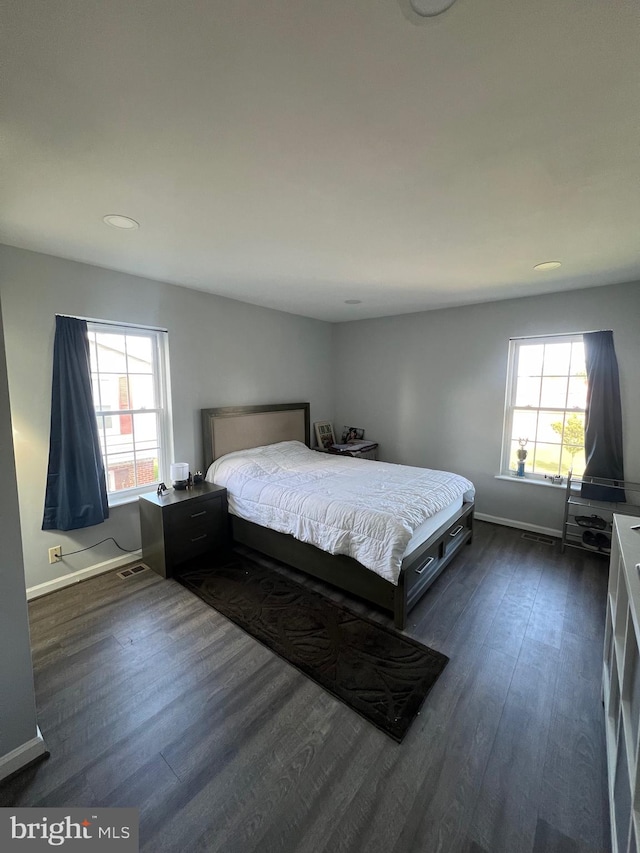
(194, 515)
(189, 544)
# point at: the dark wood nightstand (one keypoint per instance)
(182, 525)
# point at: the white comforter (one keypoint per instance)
(366, 510)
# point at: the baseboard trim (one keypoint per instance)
(82, 575)
(18, 758)
(520, 525)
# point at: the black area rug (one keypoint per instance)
(381, 674)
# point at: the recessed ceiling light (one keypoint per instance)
(352, 301)
(118, 221)
(547, 265)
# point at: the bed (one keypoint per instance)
(259, 451)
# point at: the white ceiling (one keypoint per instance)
(295, 154)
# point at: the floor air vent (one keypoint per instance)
(127, 573)
(538, 537)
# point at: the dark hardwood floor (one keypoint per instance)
(149, 698)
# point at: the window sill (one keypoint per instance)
(530, 481)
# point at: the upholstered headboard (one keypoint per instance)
(240, 427)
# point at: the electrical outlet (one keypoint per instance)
(55, 554)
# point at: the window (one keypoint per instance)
(545, 406)
(130, 395)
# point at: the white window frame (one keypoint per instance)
(162, 389)
(510, 397)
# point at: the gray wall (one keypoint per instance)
(430, 387)
(222, 352)
(17, 701)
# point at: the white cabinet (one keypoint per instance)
(621, 684)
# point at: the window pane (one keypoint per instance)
(145, 429)
(547, 459)
(109, 392)
(119, 441)
(573, 444)
(121, 472)
(554, 392)
(557, 358)
(143, 392)
(92, 351)
(577, 398)
(567, 433)
(550, 426)
(573, 429)
(139, 354)
(125, 471)
(111, 353)
(124, 398)
(575, 462)
(95, 390)
(101, 435)
(530, 359)
(528, 391)
(524, 425)
(578, 367)
(147, 468)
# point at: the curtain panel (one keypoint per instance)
(76, 492)
(603, 422)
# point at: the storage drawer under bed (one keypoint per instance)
(427, 563)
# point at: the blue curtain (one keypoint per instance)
(603, 422)
(76, 493)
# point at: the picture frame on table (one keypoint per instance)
(350, 433)
(324, 434)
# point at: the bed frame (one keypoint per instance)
(241, 427)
